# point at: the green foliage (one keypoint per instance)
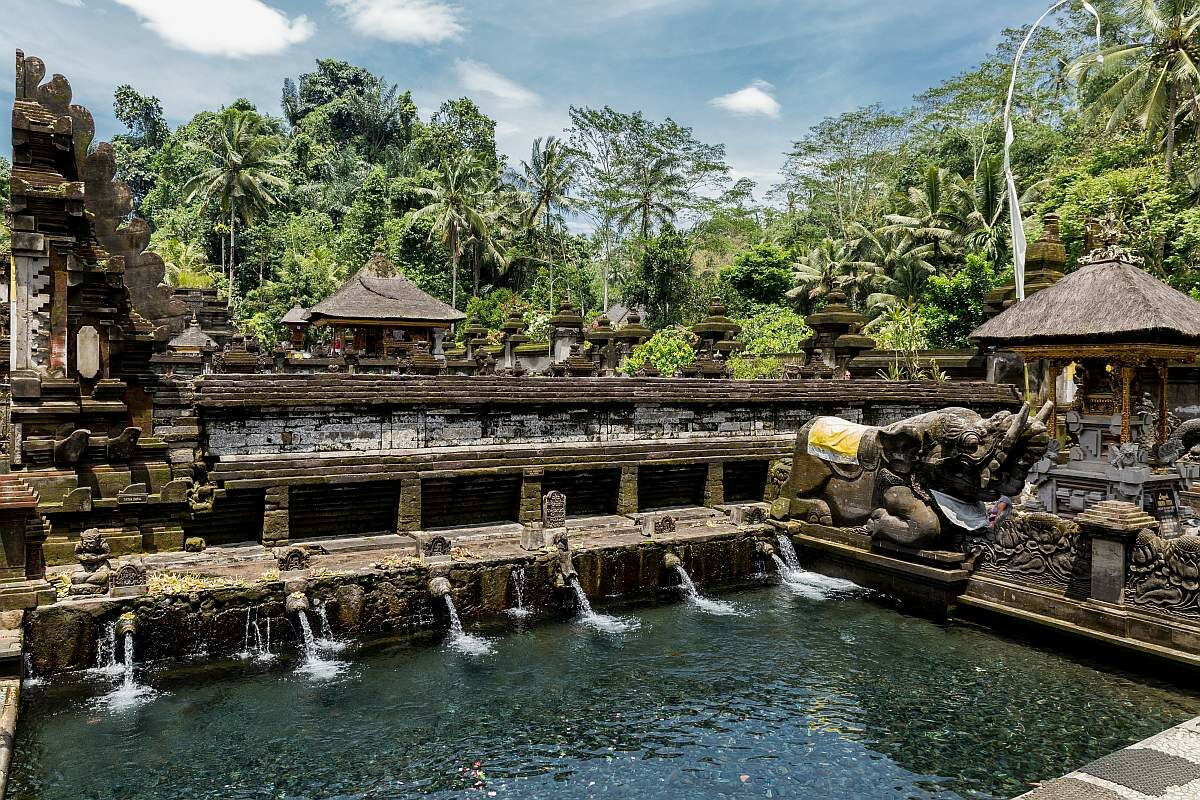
(952, 306)
(661, 284)
(762, 274)
(491, 309)
(748, 368)
(363, 227)
(775, 330)
(669, 350)
(1139, 195)
(904, 327)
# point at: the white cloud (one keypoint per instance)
(407, 21)
(477, 77)
(753, 101)
(72, 3)
(230, 28)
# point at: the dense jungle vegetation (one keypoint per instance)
(903, 210)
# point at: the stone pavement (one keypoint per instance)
(1163, 767)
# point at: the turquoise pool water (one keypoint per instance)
(803, 695)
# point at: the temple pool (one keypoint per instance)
(799, 697)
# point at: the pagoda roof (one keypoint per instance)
(1109, 302)
(369, 296)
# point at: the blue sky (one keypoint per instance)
(753, 74)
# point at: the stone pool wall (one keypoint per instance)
(386, 599)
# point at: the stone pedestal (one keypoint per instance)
(714, 485)
(408, 512)
(1112, 527)
(275, 517)
(627, 494)
(531, 496)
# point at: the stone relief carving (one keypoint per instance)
(1036, 547)
(1165, 573)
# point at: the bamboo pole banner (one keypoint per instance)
(1014, 202)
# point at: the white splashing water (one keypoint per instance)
(255, 645)
(106, 653)
(129, 694)
(801, 582)
(460, 640)
(29, 680)
(702, 603)
(518, 578)
(600, 622)
(328, 642)
(315, 665)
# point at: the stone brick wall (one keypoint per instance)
(282, 415)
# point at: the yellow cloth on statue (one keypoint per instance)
(834, 439)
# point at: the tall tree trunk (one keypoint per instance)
(453, 266)
(1172, 110)
(549, 259)
(232, 254)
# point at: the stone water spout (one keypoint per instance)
(127, 623)
(671, 560)
(297, 603)
(764, 549)
(440, 587)
(563, 561)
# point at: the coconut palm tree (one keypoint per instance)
(548, 177)
(820, 271)
(656, 191)
(457, 205)
(985, 209)
(932, 212)
(891, 266)
(1153, 75)
(186, 263)
(242, 177)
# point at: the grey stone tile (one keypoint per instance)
(1071, 789)
(1150, 772)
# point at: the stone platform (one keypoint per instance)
(1163, 767)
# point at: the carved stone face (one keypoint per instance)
(91, 540)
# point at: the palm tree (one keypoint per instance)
(654, 197)
(820, 271)
(242, 174)
(1155, 74)
(186, 263)
(547, 177)
(457, 206)
(931, 213)
(891, 267)
(984, 204)
(383, 117)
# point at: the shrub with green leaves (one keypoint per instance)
(669, 350)
(749, 368)
(774, 330)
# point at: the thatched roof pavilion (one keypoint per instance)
(382, 310)
(1107, 302)
(1111, 312)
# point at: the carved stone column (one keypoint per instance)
(1163, 369)
(408, 509)
(714, 485)
(1126, 403)
(276, 523)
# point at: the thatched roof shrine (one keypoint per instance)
(1107, 303)
(378, 295)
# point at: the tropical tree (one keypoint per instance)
(457, 207)
(820, 271)
(186, 262)
(242, 177)
(654, 194)
(1153, 75)
(932, 212)
(890, 265)
(548, 176)
(985, 206)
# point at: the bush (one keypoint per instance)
(748, 368)
(774, 330)
(669, 350)
(952, 307)
(761, 275)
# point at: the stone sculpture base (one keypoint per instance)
(927, 582)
